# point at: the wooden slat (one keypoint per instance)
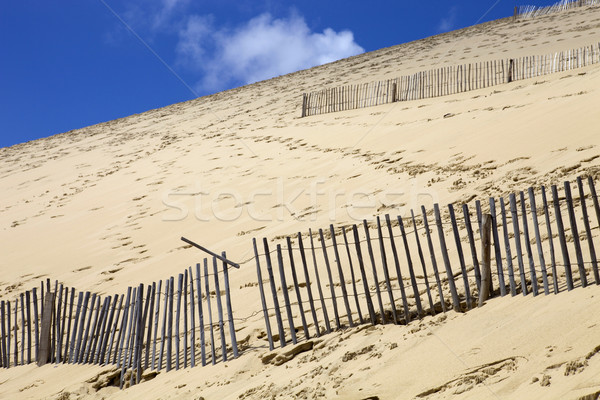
(467, 216)
(22, 298)
(201, 315)
(192, 320)
(330, 277)
(234, 344)
(297, 287)
(46, 328)
(517, 238)
(5, 356)
(341, 277)
(374, 269)
(352, 276)
(461, 257)
(170, 322)
(57, 328)
(319, 287)
(411, 271)
(28, 302)
(533, 275)
(386, 273)
(575, 234)
(433, 259)
(588, 231)
(108, 333)
(538, 240)
(274, 294)
(85, 340)
(185, 318)
(286, 295)
(151, 320)
(178, 319)
(486, 271)
(210, 321)
(561, 238)
(444, 249)
(511, 274)
(100, 330)
(166, 325)
(497, 248)
(308, 285)
(81, 327)
(220, 309)
(422, 259)
(109, 349)
(9, 329)
(398, 271)
(262, 296)
(156, 318)
(364, 276)
(62, 328)
(89, 338)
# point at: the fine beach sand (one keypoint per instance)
(103, 208)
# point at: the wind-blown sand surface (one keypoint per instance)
(103, 207)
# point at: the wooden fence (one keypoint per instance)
(525, 12)
(446, 81)
(123, 330)
(391, 270)
(396, 270)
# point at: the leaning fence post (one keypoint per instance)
(486, 272)
(588, 231)
(449, 274)
(561, 238)
(575, 234)
(229, 312)
(262, 296)
(274, 292)
(220, 309)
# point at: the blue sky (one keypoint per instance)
(73, 63)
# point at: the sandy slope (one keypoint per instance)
(103, 207)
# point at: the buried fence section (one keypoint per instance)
(122, 330)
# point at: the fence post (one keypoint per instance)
(304, 100)
(486, 272)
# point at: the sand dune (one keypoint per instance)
(103, 207)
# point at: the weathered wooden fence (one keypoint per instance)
(525, 12)
(395, 270)
(446, 81)
(132, 331)
(391, 270)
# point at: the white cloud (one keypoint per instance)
(262, 48)
(449, 22)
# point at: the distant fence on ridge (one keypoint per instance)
(446, 81)
(525, 12)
